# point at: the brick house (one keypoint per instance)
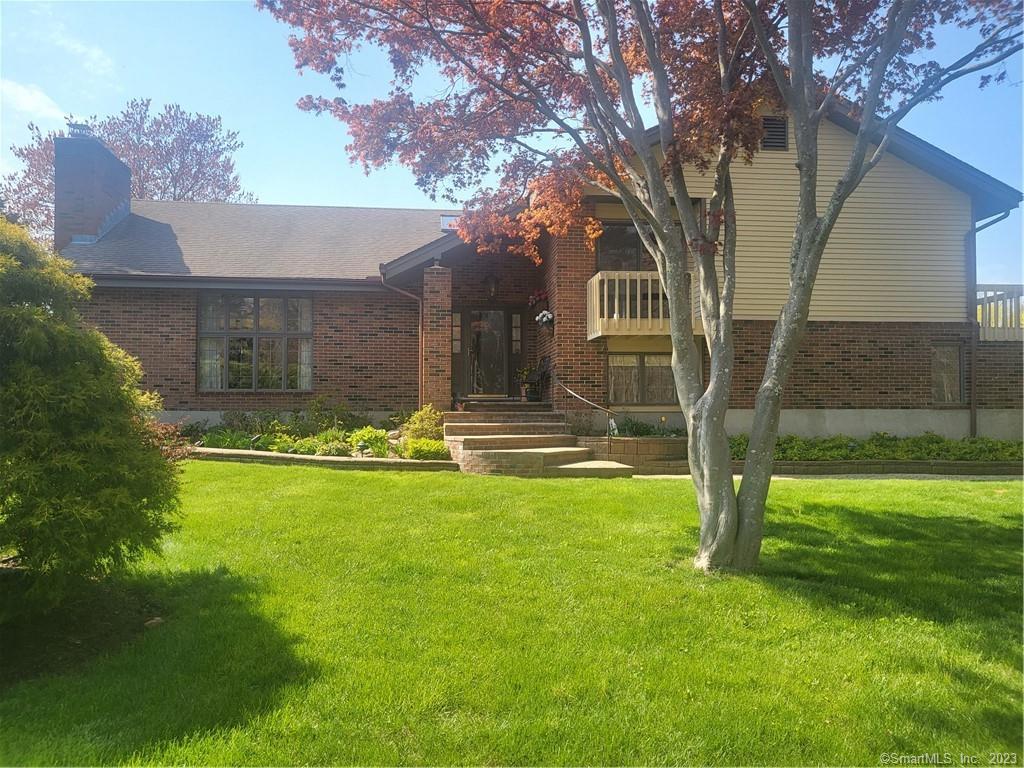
(241, 307)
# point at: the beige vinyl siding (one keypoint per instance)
(896, 254)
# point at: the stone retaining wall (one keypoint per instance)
(648, 455)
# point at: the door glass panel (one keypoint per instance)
(488, 361)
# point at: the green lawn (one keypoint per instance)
(316, 616)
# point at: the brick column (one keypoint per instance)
(581, 364)
(436, 387)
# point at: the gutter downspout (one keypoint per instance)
(419, 328)
(971, 253)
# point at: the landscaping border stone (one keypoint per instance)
(334, 462)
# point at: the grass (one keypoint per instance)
(316, 617)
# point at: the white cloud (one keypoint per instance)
(93, 58)
(94, 62)
(30, 101)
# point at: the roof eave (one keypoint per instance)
(430, 252)
(130, 280)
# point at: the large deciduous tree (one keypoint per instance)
(173, 155)
(634, 97)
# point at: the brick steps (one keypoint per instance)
(499, 442)
(536, 457)
(506, 437)
(503, 404)
(591, 469)
(501, 417)
(505, 428)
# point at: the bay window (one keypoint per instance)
(255, 342)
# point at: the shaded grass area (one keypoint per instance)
(318, 617)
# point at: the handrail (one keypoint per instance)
(554, 378)
(608, 411)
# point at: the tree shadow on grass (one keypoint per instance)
(212, 664)
(937, 567)
(889, 564)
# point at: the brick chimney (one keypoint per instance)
(92, 188)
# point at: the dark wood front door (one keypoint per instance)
(486, 350)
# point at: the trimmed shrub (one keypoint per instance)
(426, 423)
(375, 439)
(926, 447)
(425, 449)
(84, 487)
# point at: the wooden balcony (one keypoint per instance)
(627, 304)
(999, 312)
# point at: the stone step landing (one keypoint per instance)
(523, 439)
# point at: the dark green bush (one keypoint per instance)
(926, 447)
(425, 449)
(84, 488)
(193, 431)
(631, 427)
(426, 423)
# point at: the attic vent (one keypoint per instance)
(776, 133)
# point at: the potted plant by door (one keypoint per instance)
(523, 379)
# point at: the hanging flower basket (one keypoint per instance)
(545, 319)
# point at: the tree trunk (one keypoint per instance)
(711, 469)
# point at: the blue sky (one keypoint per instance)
(226, 58)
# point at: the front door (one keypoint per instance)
(487, 352)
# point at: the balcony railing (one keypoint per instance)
(626, 304)
(999, 312)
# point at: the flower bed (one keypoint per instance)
(334, 462)
(328, 432)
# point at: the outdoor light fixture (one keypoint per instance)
(491, 285)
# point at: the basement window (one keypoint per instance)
(947, 374)
(255, 342)
(776, 133)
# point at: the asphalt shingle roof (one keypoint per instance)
(227, 240)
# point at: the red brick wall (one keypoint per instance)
(580, 364)
(365, 349)
(848, 365)
(1000, 374)
(89, 184)
(437, 337)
